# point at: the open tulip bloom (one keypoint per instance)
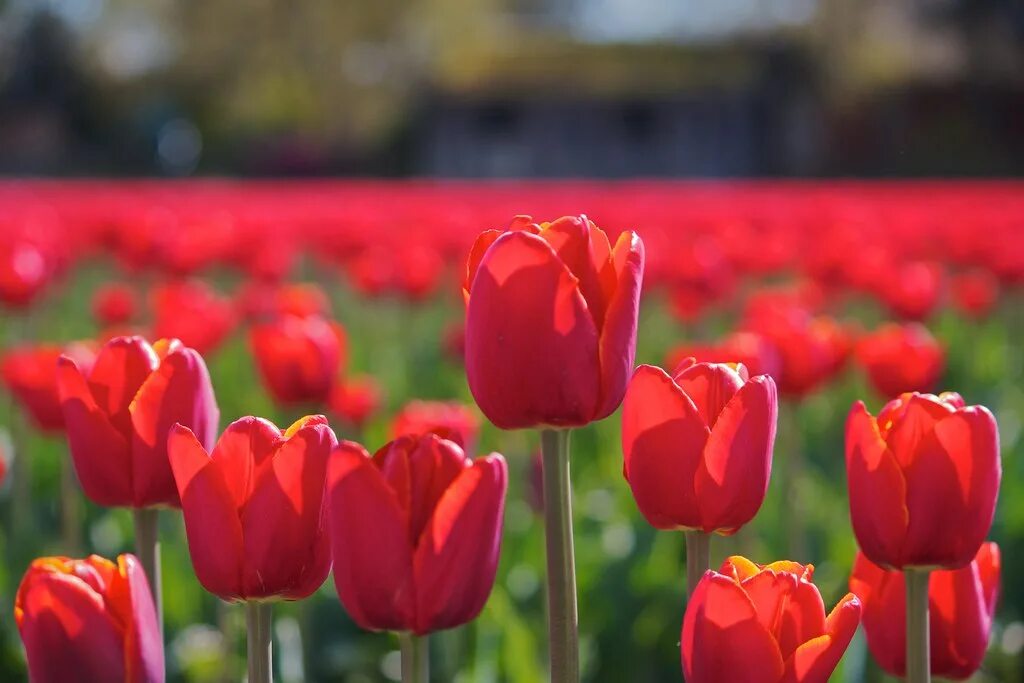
(923, 480)
(551, 318)
(416, 534)
(697, 449)
(117, 417)
(962, 603)
(764, 624)
(255, 516)
(89, 620)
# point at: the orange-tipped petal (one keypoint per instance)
(815, 660)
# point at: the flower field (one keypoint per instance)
(349, 299)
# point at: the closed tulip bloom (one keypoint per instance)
(356, 399)
(923, 479)
(753, 349)
(962, 603)
(551, 322)
(192, 311)
(114, 304)
(698, 445)
(975, 293)
(901, 358)
(89, 620)
(119, 413)
(30, 373)
(416, 532)
(299, 358)
(764, 624)
(254, 507)
(448, 419)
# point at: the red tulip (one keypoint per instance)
(30, 373)
(448, 419)
(923, 479)
(298, 358)
(119, 413)
(89, 620)
(811, 350)
(551, 322)
(259, 300)
(962, 603)
(764, 624)
(757, 354)
(416, 532)
(24, 272)
(190, 310)
(698, 446)
(254, 507)
(975, 293)
(114, 304)
(901, 358)
(355, 399)
(913, 290)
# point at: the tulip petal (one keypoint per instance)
(709, 386)
(179, 391)
(815, 660)
(242, 453)
(877, 490)
(732, 478)
(372, 556)
(618, 335)
(531, 344)
(211, 517)
(960, 621)
(584, 249)
(722, 639)
(457, 554)
(100, 452)
(143, 643)
(663, 442)
(476, 254)
(434, 464)
(286, 547)
(67, 632)
(952, 485)
(883, 596)
(121, 367)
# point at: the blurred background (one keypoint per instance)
(498, 88)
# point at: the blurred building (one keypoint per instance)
(493, 88)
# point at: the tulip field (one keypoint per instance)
(416, 431)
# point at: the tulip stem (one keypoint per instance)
(261, 659)
(698, 557)
(563, 639)
(147, 547)
(415, 657)
(918, 657)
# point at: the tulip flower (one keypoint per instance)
(962, 603)
(24, 272)
(298, 358)
(254, 507)
(118, 415)
(89, 620)
(448, 419)
(355, 399)
(975, 293)
(697, 450)
(757, 354)
(551, 322)
(923, 478)
(913, 289)
(114, 304)
(901, 358)
(190, 310)
(30, 373)
(415, 533)
(812, 350)
(764, 624)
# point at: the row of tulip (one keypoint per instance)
(697, 446)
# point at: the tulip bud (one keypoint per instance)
(551, 322)
(698, 446)
(30, 373)
(901, 358)
(299, 358)
(254, 507)
(89, 620)
(416, 532)
(923, 479)
(764, 624)
(962, 603)
(119, 414)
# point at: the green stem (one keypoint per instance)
(698, 557)
(258, 620)
(563, 636)
(415, 657)
(147, 547)
(918, 657)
